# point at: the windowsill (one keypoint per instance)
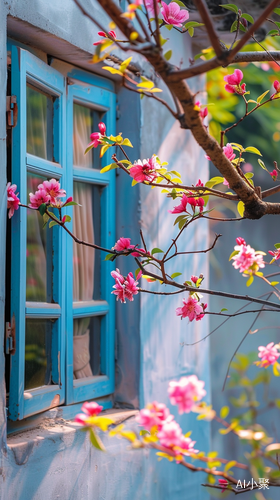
(53, 427)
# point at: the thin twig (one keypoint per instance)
(142, 25)
(217, 236)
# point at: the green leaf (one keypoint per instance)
(251, 149)
(126, 142)
(261, 164)
(273, 32)
(179, 3)
(248, 18)
(96, 441)
(112, 166)
(271, 449)
(234, 26)
(193, 24)
(181, 224)
(52, 223)
(110, 256)
(215, 180)
(156, 250)
(70, 203)
(174, 275)
(67, 218)
(242, 28)
(179, 218)
(277, 24)
(168, 55)
(277, 401)
(224, 309)
(45, 220)
(277, 245)
(277, 11)
(143, 432)
(162, 40)
(230, 6)
(191, 32)
(224, 412)
(169, 26)
(250, 280)
(260, 98)
(42, 208)
(249, 175)
(240, 208)
(235, 252)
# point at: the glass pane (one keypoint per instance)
(85, 121)
(38, 251)
(39, 118)
(38, 343)
(86, 226)
(86, 347)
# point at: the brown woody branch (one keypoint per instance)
(206, 19)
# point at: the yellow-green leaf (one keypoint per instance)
(155, 90)
(134, 182)
(260, 98)
(126, 142)
(104, 149)
(124, 64)
(224, 412)
(275, 368)
(96, 441)
(240, 208)
(229, 465)
(108, 167)
(114, 71)
(250, 280)
(251, 149)
(235, 252)
(274, 283)
(131, 436)
(101, 422)
(168, 55)
(146, 85)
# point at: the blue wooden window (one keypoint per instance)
(60, 292)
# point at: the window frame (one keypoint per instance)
(98, 93)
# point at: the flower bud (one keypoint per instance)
(276, 85)
(194, 279)
(112, 34)
(101, 33)
(102, 128)
(240, 241)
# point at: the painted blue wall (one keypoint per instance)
(54, 460)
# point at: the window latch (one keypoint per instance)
(10, 337)
(11, 110)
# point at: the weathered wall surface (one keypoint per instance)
(55, 460)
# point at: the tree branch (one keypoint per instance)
(206, 19)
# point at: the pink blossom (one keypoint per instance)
(225, 182)
(268, 354)
(187, 446)
(68, 200)
(182, 207)
(275, 254)
(81, 418)
(170, 434)
(246, 258)
(125, 288)
(52, 188)
(144, 171)
(137, 254)
(150, 6)
(102, 128)
(202, 111)
(172, 14)
(276, 85)
(224, 483)
(12, 199)
(194, 279)
(233, 83)
(191, 309)
(186, 392)
(199, 183)
(91, 409)
(154, 414)
(228, 151)
(122, 244)
(41, 196)
(95, 139)
(274, 174)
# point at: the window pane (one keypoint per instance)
(38, 344)
(38, 251)
(86, 226)
(86, 347)
(39, 117)
(85, 121)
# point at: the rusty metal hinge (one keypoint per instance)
(11, 110)
(10, 337)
